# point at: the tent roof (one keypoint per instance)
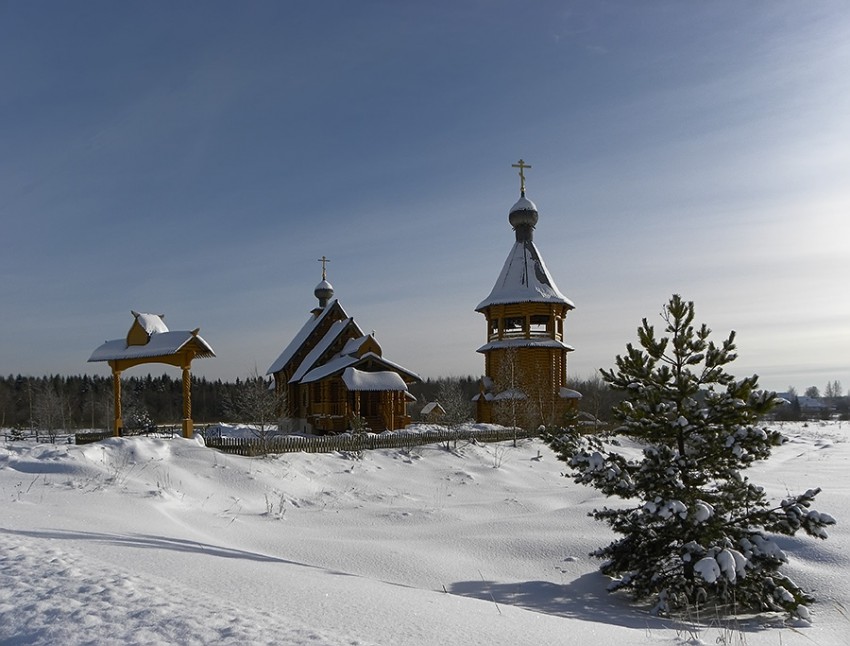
(524, 279)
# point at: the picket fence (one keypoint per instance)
(353, 442)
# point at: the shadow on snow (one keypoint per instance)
(150, 541)
(586, 598)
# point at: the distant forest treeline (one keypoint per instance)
(84, 401)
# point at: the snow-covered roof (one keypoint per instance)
(335, 364)
(311, 324)
(568, 393)
(321, 347)
(355, 379)
(430, 407)
(160, 344)
(524, 279)
(313, 368)
(151, 323)
(353, 345)
(525, 343)
(340, 362)
(391, 364)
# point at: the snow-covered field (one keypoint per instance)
(149, 541)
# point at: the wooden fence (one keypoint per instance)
(163, 430)
(93, 436)
(357, 442)
(345, 442)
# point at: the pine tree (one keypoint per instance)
(697, 530)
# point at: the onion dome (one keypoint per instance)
(523, 215)
(523, 218)
(324, 292)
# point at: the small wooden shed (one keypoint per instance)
(432, 411)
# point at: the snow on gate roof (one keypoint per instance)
(161, 344)
(158, 341)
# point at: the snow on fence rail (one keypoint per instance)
(249, 446)
(165, 430)
(358, 441)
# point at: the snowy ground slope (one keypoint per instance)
(151, 541)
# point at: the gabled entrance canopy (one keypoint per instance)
(150, 341)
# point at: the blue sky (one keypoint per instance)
(195, 159)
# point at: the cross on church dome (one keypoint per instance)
(522, 166)
(324, 290)
(324, 262)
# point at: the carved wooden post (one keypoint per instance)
(117, 425)
(187, 402)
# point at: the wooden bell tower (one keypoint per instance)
(525, 357)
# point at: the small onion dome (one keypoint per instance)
(324, 292)
(523, 218)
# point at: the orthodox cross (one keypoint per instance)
(324, 262)
(522, 166)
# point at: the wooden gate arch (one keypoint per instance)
(150, 341)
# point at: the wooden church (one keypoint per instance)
(334, 376)
(525, 357)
